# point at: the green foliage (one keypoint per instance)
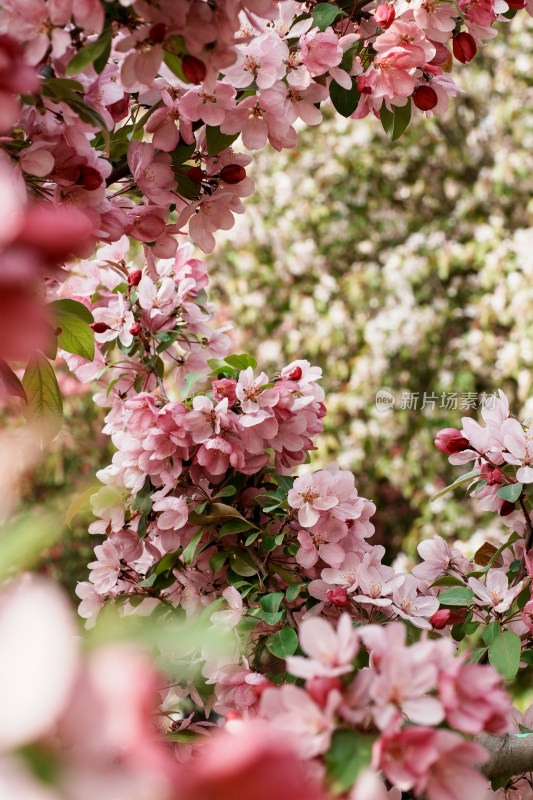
(44, 409)
(504, 653)
(349, 753)
(283, 643)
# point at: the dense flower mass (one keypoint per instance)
(118, 123)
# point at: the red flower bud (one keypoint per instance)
(89, 178)
(425, 98)
(136, 329)
(196, 174)
(100, 327)
(295, 374)
(134, 278)
(384, 16)
(517, 5)
(120, 109)
(193, 69)
(440, 618)
(491, 474)
(363, 86)
(450, 440)
(157, 33)
(232, 173)
(442, 57)
(319, 688)
(464, 47)
(507, 508)
(338, 597)
(225, 387)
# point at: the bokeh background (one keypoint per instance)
(407, 267)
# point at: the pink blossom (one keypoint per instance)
(210, 107)
(473, 699)
(322, 541)
(320, 51)
(168, 124)
(262, 60)
(517, 443)
(331, 652)
(106, 569)
(310, 495)
(174, 510)
(495, 591)
(409, 602)
(232, 615)
(151, 172)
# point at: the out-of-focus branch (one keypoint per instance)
(508, 755)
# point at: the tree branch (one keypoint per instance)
(508, 755)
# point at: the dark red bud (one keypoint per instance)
(100, 327)
(295, 374)
(338, 597)
(120, 109)
(157, 33)
(425, 98)
(232, 173)
(196, 174)
(384, 16)
(193, 69)
(319, 688)
(450, 440)
(363, 86)
(507, 508)
(89, 178)
(491, 474)
(134, 278)
(136, 329)
(440, 618)
(464, 47)
(516, 5)
(442, 57)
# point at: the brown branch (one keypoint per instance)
(509, 755)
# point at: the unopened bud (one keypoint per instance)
(196, 174)
(491, 474)
(338, 597)
(425, 98)
(363, 85)
(507, 508)
(516, 5)
(295, 374)
(136, 329)
(232, 173)
(384, 16)
(319, 688)
(120, 109)
(134, 278)
(157, 33)
(440, 618)
(442, 57)
(100, 327)
(450, 440)
(89, 178)
(464, 47)
(193, 69)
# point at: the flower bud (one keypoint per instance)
(442, 57)
(89, 178)
(338, 597)
(491, 474)
(232, 173)
(136, 329)
(100, 327)
(134, 278)
(425, 98)
(440, 618)
(193, 69)
(363, 85)
(384, 16)
(450, 440)
(506, 509)
(196, 174)
(295, 374)
(157, 33)
(320, 686)
(120, 109)
(516, 5)
(464, 47)
(225, 387)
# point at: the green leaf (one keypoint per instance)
(242, 564)
(510, 492)
(447, 580)
(88, 54)
(10, 383)
(218, 141)
(80, 503)
(283, 643)
(345, 101)
(284, 482)
(504, 653)
(235, 526)
(349, 753)
(168, 562)
(214, 512)
(173, 62)
(293, 591)
(271, 602)
(241, 362)
(395, 122)
(190, 550)
(527, 656)
(189, 382)
(44, 410)
(458, 596)
(324, 14)
(76, 336)
(217, 561)
(477, 654)
(251, 538)
(462, 479)
(490, 632)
